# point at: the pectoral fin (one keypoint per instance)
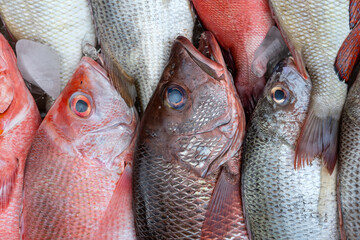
(8, 172)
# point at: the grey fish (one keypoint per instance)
(349, 165)
(280, 202)
(136, 38)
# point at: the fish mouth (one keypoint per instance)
(208, 57)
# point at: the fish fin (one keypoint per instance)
(122, 82)
(40, 65)
(220, 217)
(348, 55)
(118, 219)
(249, 93)
(271, 50)
(318, 137)
(8, 173)
(341, 221)
(354, 13)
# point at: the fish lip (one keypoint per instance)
(94, 65)
(213, 68)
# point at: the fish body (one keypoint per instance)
(136, 37)
(314, 32)
(349, 167)
(240, 26)
(62, 25)
(280, 202)
(78, 158)
(186, 165)
(19, 120)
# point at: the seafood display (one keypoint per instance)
(186, 165)
(19, 120)
(179, 119)
(80, 154)
(279, 202)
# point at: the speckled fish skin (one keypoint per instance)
(183, 155)
(349, 167)
(314, 31)
(19, 120)
(280, 202)
(61, 25)
(240, 26)
(75, 162)
(137, 35)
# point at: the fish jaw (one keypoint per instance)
(240, 27)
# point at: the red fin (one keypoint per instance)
(318, 137)
(8, 172)
(224, 216)
(348, 55)
(118, 221)
(354, 12)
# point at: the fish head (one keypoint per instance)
(282, 109)
(14, 97)
(91, 116)
(194, 113)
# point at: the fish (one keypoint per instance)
(78, 160)
(61, 25)
(240, 26)
(187, 159)
(19, 120)
(348, 162)
(136, 38)
(279, 202)
(314, 32)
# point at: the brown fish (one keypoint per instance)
(186, 165)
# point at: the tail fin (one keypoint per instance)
(349, 55)
(318, 137)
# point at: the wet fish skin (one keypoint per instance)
(240, 26)
(348, 162)
(279, 202)
(77, 158)
(19, 120)
(187, 160)
(136, 37)
(62, 25)
(314, 32)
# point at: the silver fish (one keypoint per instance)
(280, 202)
(136, 38)
(349, 167)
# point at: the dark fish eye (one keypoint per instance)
(175, 97)
(80, 105)
(279, 95)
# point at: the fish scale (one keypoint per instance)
(138, 36)
(281, 203)
(61, 25)
(349, 165)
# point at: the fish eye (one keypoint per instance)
(80, 104)
(175, 97)
(279, 95)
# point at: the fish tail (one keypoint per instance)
(121, 81)
(318, 137)
(354, 13)
(348, 55)
(7, 181)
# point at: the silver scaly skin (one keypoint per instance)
(280, 202)
(136, 37)
(349, 164)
